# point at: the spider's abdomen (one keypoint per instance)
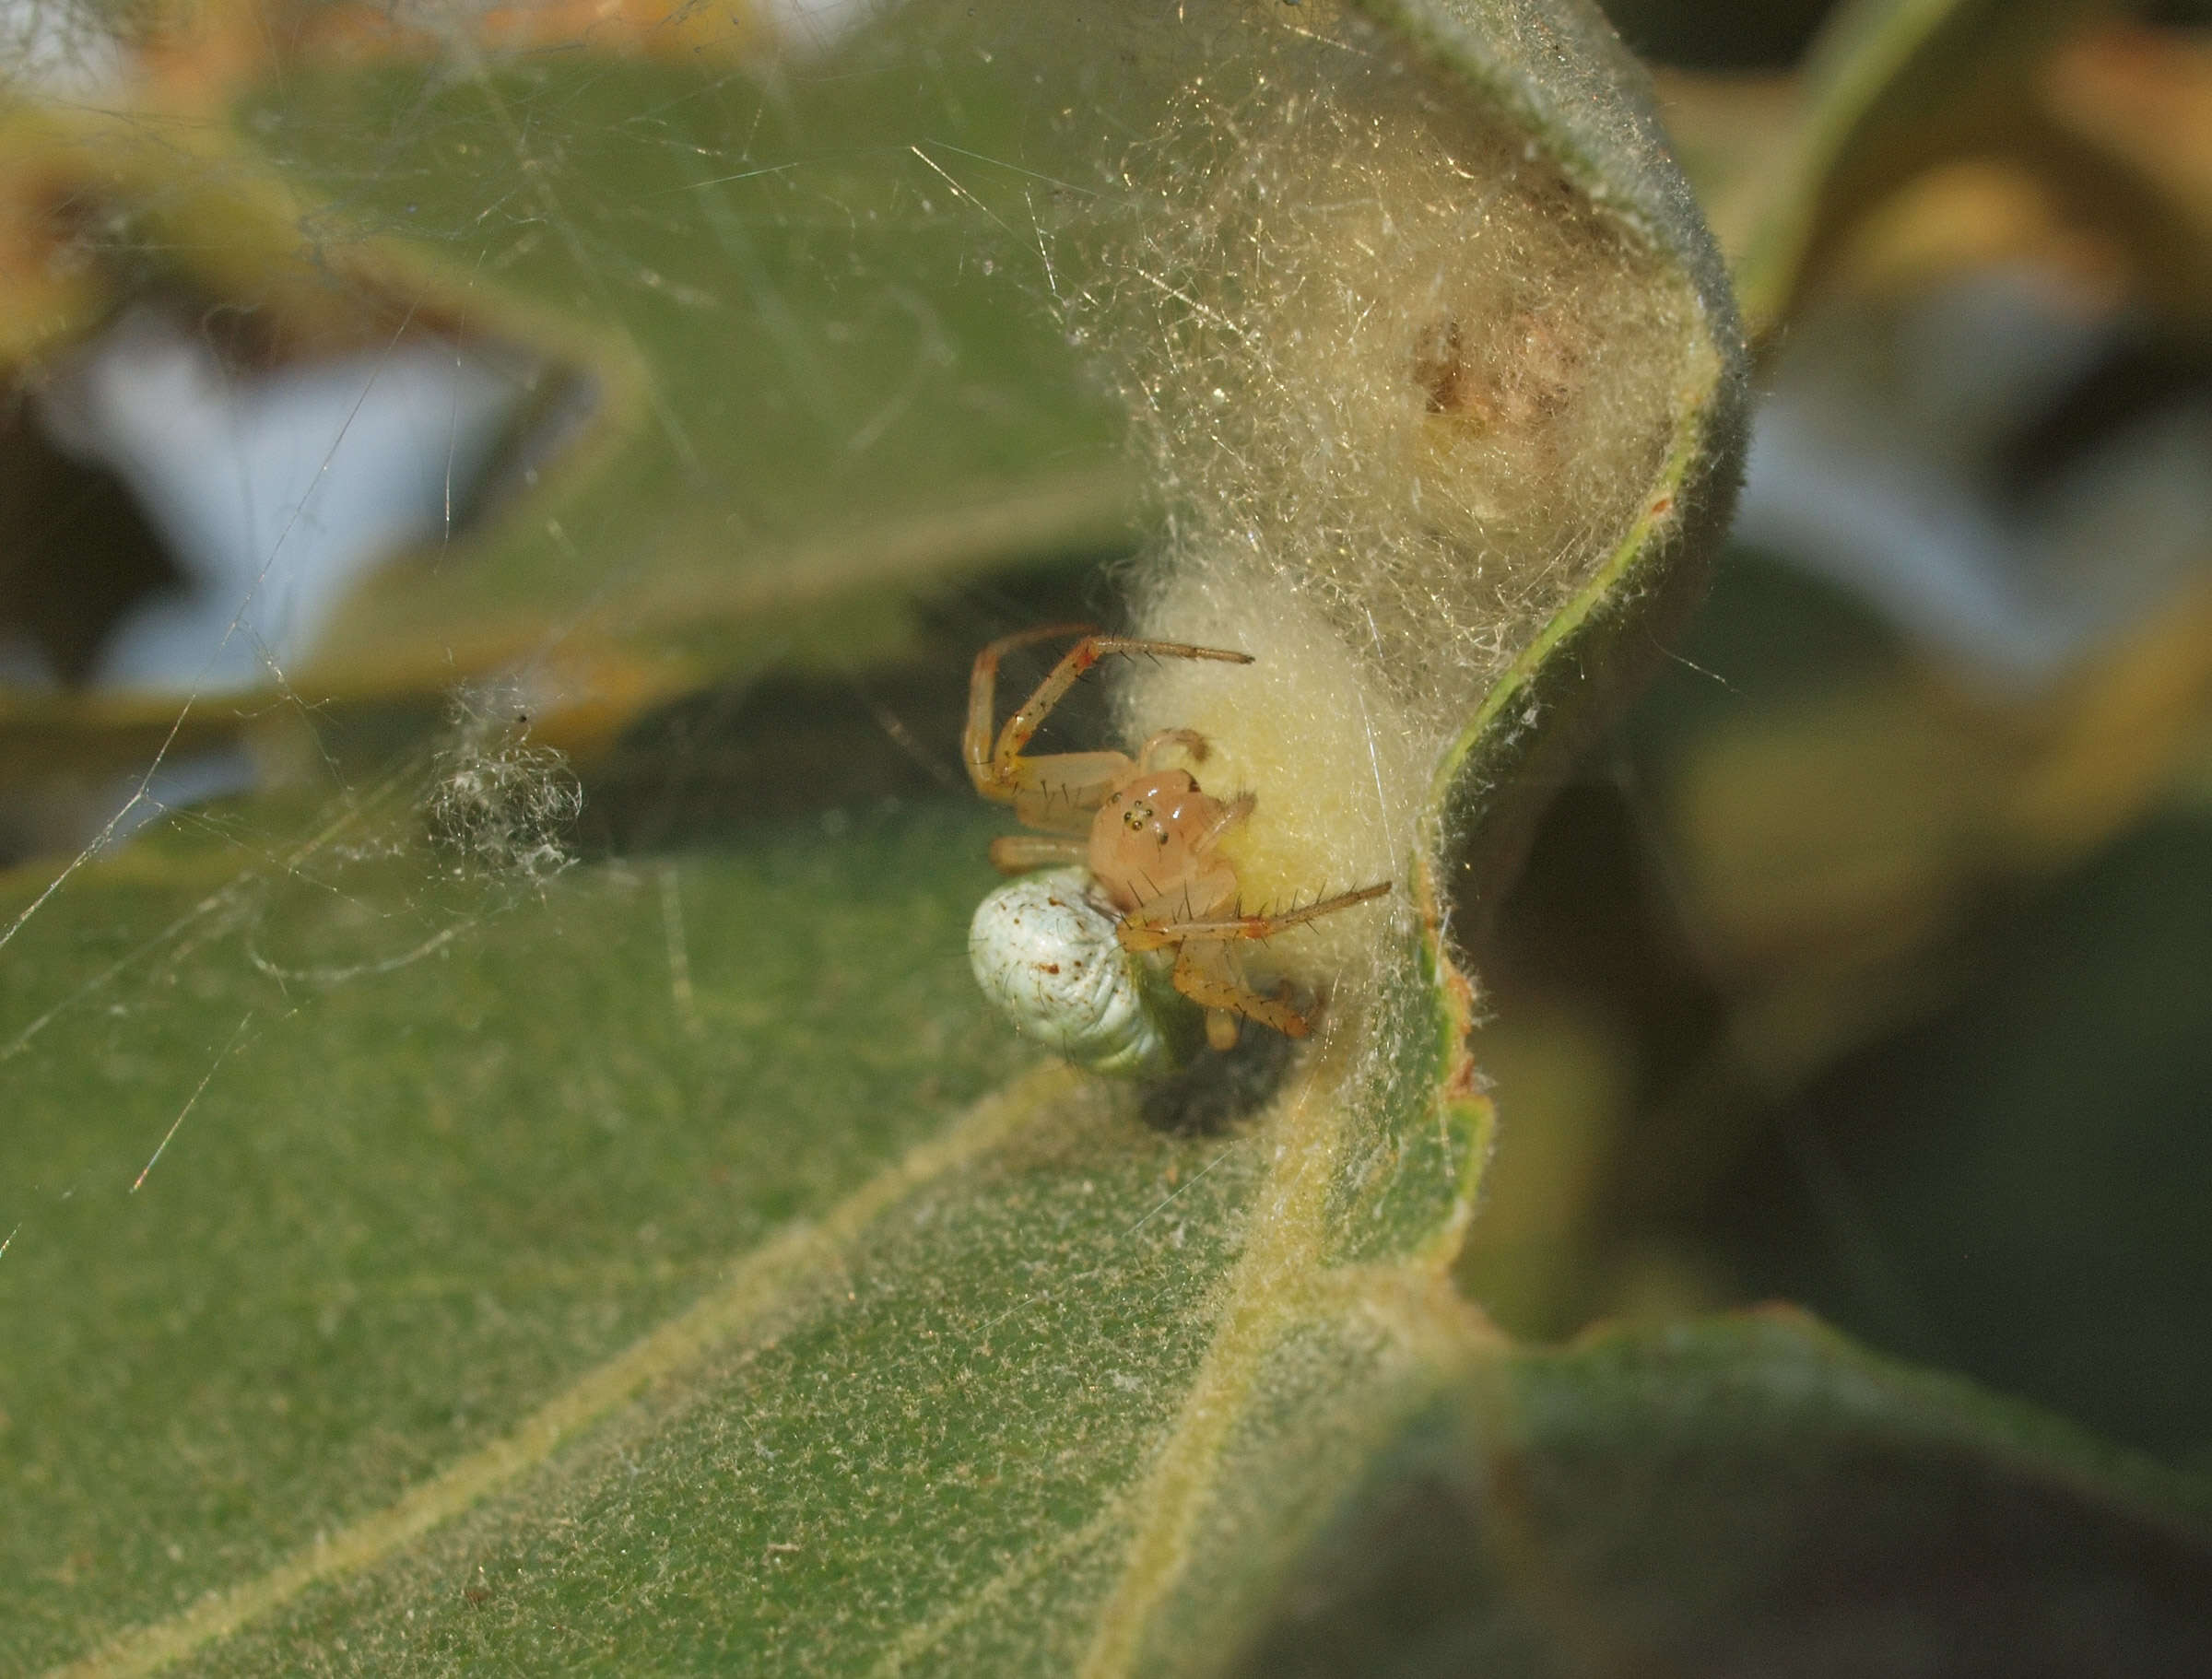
(1044, 951)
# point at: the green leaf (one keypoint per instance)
(703, 371)
(651, 1264)
(2045, 1257)
(1750, 1494)
(431, 1151)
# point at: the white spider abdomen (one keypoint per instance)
(1044, 951)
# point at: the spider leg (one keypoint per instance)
(982, 705)
(1207, 974)
(1079, 658)
(1018, 853)
(1159, 921)
(1222, 929)
(996, 767)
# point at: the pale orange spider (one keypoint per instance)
(1149, 834)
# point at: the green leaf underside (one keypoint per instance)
(932, 1456)
(404, 1206)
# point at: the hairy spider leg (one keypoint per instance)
(1150, 929)
(1191, 919)
(1209, 975)
(982, 705)
(1056, 791)
(1207, 971)
(1025, 723)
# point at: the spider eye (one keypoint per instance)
(1138, 816)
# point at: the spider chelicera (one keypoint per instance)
(1147, 836)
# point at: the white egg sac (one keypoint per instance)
(1043, 950)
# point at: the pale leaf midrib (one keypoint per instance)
(1287, 1241)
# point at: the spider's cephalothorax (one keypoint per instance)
(1148, 837)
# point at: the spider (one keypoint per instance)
(1134, 845)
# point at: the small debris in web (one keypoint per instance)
(496, 804)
